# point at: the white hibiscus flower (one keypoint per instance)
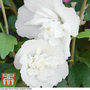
(49, 20)
(41, 64)
(35, 14)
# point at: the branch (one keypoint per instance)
(13, 7)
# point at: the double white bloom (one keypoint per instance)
(42, 62)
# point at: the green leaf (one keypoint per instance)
(88, 1)
(85, 54)
(78, 56)
(87, 13)
(18, 46)
(10, 55)
(11, 21)
(85, 34)
(79, 74)
(79, 1)
(12, 70)
(84, 60)
(82, 43)
(7, 2)
(67, 4)
(84, 57)
(2, 61)
(74, 78)
(4, 66)
(20, 83)
(76, 0)
(7, 43)
(78, 6)
(62, 84)
(89, 39)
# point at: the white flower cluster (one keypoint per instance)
(42, 61)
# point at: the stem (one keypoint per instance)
(69, 60)
(7, 7)
(82, 8)
(2, 28)
(72, 51)
(74, 40)
(13, 7)
(5, 20)
(13, 53)
(4, 15)
(72, 48)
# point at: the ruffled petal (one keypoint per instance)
(68, 15)
(66, 42)
(17, 58)
(53, 74)
(60, 73)
(25, 77)
(34, 5)
(43, 76)
(29, 31)
(23, 59)
(53, 41)
(62, 70)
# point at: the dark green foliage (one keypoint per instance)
(79, 74)
(87, 13)
(4, 66)
(7, 43)
(63, 83)
(11, 21)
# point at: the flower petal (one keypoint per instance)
(23, 30)
(63, 70)
(23, 59)
(17, 58)
(34, 5)
(43, 76)
(66, 42)
(53, 41)
(25, 77)
(60, 72)
(68, 15)
(47, 78)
